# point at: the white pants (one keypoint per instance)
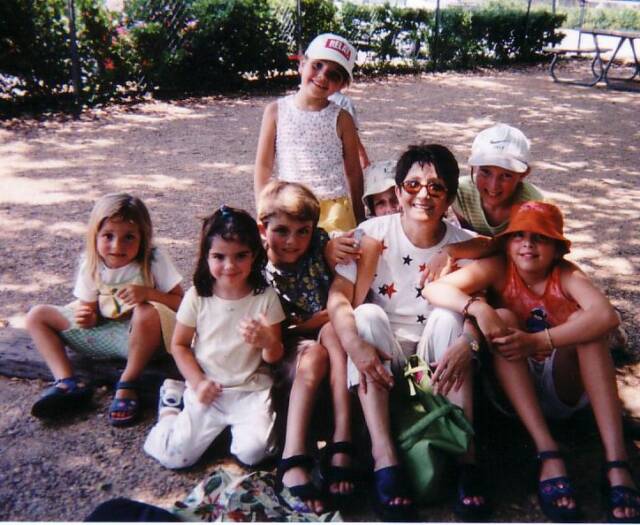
(442, 328)
(178, 441)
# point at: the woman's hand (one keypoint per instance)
(133, 294)
(452, 370)
(207, 391)
(369, 362)
(86, 316)
(256, 332)
(518, 344)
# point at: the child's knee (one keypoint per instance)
(508, 317)
(45, 315)
(251, 451)
(145, 315)
(313, 364)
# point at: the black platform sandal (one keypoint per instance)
(335, 474)
(301, 493)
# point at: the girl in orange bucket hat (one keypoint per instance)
(546, 327)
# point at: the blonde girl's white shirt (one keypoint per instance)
(219, 348)
(396, 283)
(308, 149)
(163, 270)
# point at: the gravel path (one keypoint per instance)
(185, 158)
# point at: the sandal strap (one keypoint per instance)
(71, 383)
(549, 454)
(301, 460)
(127, 385)
(617, 463)
(340, 447)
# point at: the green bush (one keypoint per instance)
(205, 45)
(604, 18)
(34, 46)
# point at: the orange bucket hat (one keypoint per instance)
(537, 217)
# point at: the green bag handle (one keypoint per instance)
(410, 371)
(420, 426)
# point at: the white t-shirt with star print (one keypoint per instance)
(395, 285)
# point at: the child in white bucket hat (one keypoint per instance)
(379, 195)
(500, 161)
(305, 138)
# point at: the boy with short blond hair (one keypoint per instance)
(299, 269)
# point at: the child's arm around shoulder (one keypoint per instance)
(597, 315)
(352, 169)
(265, 155)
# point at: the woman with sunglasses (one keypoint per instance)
(378, 336)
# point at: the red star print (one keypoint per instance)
(422, 267)
(391, 289)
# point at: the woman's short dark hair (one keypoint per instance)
(438, 156)
(230, 224)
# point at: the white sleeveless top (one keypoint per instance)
(308, 149)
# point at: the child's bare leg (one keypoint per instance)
(516, 380)
(311, 369)
(44, 323)
(341, 403)
(598, 376)
(144, 339)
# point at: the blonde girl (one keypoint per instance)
(228, 331)
(127, 291)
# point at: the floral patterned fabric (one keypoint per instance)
(303, 290)
(227, 496)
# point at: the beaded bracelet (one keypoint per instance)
(465, 310)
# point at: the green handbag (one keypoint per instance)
(429, 431)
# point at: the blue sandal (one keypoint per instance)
(551, 490)
(123, 412)
(65, 395)
(619, 496)
(391, 483)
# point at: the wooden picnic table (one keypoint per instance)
(600, 66)
(622, 36)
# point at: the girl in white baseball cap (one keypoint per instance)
(306, 138)
(500, 161)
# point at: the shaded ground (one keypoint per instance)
(186, 158)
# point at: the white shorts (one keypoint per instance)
(552, 406)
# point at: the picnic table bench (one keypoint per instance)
(600, 66)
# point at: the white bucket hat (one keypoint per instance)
(501, 145)
(379, 177)
(335, 48)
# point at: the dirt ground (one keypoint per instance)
(185, 158)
